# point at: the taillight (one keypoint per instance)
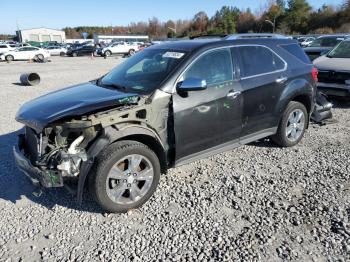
(314, 73)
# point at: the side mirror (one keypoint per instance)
(192, 84)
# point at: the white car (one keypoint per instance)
(56, 50)
(120, 48)
(307, 41)
(4, 48)
(25, 53)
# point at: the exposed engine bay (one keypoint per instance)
(62, 147)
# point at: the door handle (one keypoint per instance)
(233, 94)
(281, 80)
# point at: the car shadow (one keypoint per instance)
(264, 142)
(15, 186)
(339, 103)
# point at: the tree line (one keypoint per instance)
(280, 16)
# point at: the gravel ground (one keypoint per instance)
(255, 203)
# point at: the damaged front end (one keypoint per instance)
(54, 154)
(68, 147)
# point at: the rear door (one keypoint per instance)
(211, 117)
(263, 78)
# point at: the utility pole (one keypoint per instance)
(19, 33)
(272, 23)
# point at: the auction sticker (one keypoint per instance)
(176, 55)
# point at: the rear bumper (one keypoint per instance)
(334, 89)
(45, 178)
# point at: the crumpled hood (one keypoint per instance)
(332, 64)
(72, 101)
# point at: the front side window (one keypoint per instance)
(215, 67)
(145, 71)
(257, 60)
(341, 51)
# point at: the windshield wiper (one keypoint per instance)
(116, 86)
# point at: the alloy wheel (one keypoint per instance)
(129, 179)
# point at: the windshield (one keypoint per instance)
(341, 51)
(143, 72)
(325, 42)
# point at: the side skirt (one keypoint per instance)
(225, 146)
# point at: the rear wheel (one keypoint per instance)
(74, 54)
(292, 126)
(131, 52)
(9, 58)
(125, 176)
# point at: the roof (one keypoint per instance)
(335, 36)
(38, 28)
(190, 45)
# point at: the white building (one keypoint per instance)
(41, 35)
(126, 38)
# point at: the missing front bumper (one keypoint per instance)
(37, 176)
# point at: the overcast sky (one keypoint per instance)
(62, 13)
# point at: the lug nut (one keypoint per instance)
(129, 185)
(124, 180)
(135, 174)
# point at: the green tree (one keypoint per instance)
(297, 15)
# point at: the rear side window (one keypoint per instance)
(257, 60)
(296, 51)
(3, 46)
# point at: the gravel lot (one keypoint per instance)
(255, 203)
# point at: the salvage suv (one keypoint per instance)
(169, 105)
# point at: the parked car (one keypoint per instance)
(166, 106)
(306, 41)
(4, 48)
(56, 50)
(334, 71)
(322, 45)
(120, 48)
(82, 50)
(25, 53)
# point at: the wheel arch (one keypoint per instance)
(298, 90)
(111, 135)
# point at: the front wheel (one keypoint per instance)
(125, 176)
(74, 54)
(292, 126)
(108, 53)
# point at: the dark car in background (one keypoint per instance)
(322, 45)
(334, 71)
(81, 50)
(166, 106)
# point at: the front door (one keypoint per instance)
(212, 117)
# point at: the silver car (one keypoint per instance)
(334, 71)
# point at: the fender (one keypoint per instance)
(109, 135)
(296, 88)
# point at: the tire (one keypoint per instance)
(131, 52)
(116, 157)
(292, 126)
(108, 53)
(74, 54)
(9, 58)
(39, 58)
(62, 54)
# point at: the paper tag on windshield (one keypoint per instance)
(175, 55)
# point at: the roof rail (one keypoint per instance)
(255, 35)
(207, 36)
